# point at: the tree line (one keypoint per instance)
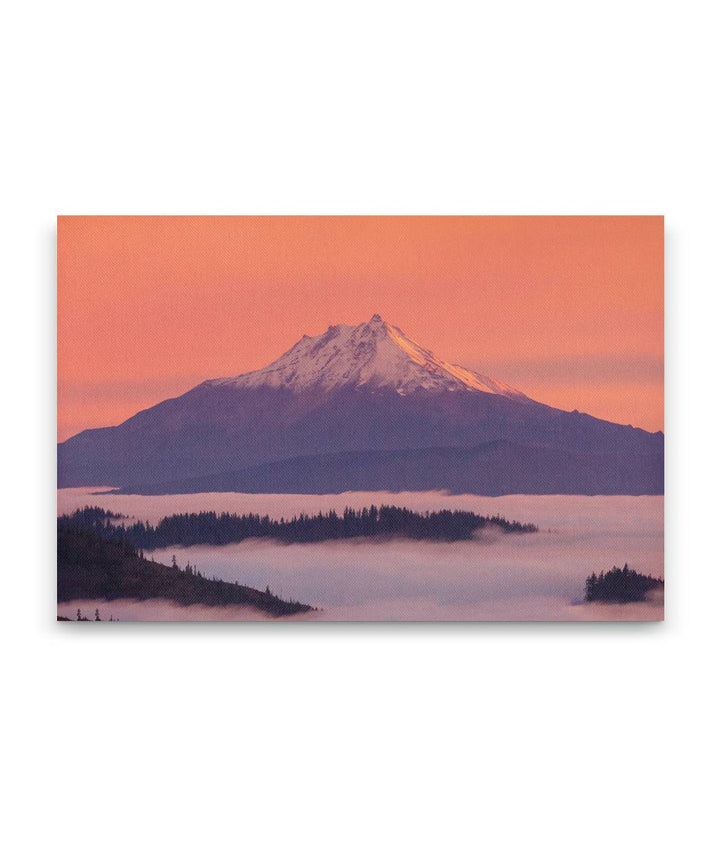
(620, 585)
(96, 565)
(209, 527)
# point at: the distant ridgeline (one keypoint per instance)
(207, 527)
(620, 586)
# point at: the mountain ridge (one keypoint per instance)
(367, 388)
(495, 468)
(373, 354)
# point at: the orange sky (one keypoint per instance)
(567, 309)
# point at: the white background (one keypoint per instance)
(359, 739)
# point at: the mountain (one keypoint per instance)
(363, 407)
(371, 356)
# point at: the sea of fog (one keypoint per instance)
(495, 577)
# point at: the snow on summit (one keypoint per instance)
(373, 355)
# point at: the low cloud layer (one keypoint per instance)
(511, 577)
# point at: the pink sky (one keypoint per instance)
(567, 309)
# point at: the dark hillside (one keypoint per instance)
(94, 567)
(620, 586)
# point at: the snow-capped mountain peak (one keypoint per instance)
(374, 356)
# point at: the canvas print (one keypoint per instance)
(360, 419)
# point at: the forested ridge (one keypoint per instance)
(209, 527)
(107, 567)
(620, 585)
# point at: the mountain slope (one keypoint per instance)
(492, 469)
(373, 356)
(359, 389)
(90, 566)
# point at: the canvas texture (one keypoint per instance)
(321, 419)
